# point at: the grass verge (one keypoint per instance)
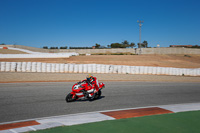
(184, 122)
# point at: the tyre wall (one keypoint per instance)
(94, 68)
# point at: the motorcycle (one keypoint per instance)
(79, 89)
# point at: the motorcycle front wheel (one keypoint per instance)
(69, 98)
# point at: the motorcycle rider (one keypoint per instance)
(92, 82)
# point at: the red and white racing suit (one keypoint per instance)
(93, 83)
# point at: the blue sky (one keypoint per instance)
(76, 23)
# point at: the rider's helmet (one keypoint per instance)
(89, 77)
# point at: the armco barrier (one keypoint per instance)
(94, 68)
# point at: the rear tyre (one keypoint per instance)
(69, 98)
(98, 95)
(92, 98)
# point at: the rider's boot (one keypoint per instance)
(85, 93)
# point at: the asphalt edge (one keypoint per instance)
(89, 117)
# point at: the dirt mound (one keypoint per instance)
(178, 61)
(9, 51)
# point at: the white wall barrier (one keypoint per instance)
(13, 66)
(89, 68)
(94, 68)
(80, 68)
(132, 69)
(57, 69)
(111, 68)
(28, 66)
(44, 67)
(34, 67)
(103, 68)
(71, 68)
(150, 70)
(141, 70)
(66, 68)
(3, 66)
(85, 68)
(23, 66)
(137, 69)
(107, 67)
(39, 67)
(76, 68)
(53, 68)
(119, 69)
(123, 69)
(115, 69)
(48, 67)
(98, 68)
(62, 66)
(198, 71)
(19, 66)
(7, 69)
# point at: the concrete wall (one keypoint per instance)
(170, 51)
(94, 51)
(116, 50)
(137, 51)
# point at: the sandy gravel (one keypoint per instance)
(177, 61)
(9, 77)
(9, 51)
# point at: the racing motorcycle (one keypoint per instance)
(79, 89)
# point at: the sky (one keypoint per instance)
(83, 23)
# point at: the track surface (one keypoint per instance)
(19, 101)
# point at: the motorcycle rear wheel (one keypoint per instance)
(98, 95)
(69, 98)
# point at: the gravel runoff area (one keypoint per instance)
(17, 77)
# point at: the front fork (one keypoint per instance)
(73, 95)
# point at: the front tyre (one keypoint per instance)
(69, 98)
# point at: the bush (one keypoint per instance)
(80, 47)
(45, 47)
(53, 47)
(63, 47)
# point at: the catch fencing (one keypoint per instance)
(94, 68)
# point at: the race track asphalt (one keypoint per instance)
(20, 101)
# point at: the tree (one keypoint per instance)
(97, 45)
(63, 47)
(108, 46)
(45, 47)
(132, 45)
(125, 44)
(145, 43)
(116, 45)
